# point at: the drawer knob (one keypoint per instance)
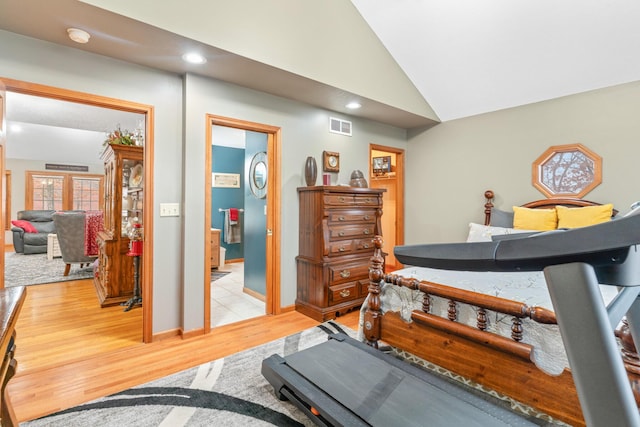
(340, 218)
(345, 293)
(342, 249)
(341, 233)
(345, 273)
(366, 246)
(366, 231)
(367, 217)
(341, 199)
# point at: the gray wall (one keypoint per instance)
(179, 152)
(304, 133)
(448, 166)
(451, 165)
(34, 61)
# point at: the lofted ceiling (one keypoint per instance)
(463, 57)
(469, 57)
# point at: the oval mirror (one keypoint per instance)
(258, 175)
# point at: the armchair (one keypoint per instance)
(70, 228)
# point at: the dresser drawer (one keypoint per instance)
(365, 244)
(340, 273)
(338, 232)
(340, 200)
(367, 200)
(344, 292)
(339, 217)
(341, 247)
(345, 247)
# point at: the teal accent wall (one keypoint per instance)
(228, 160)
(255, 227)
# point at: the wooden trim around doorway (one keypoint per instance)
(399, 188)
(44, 91)
(272, 303)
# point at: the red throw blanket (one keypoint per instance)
(93, 224)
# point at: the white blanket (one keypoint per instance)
(526, 287)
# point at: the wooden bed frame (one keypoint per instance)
(499, 363)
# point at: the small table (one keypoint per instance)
(53, 248)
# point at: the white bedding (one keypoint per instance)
(526, 287)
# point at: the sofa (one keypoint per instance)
(30, 231)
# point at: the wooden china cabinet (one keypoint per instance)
(123, 205)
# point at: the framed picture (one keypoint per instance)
(382, 164)
(225, 180)
(331, 161)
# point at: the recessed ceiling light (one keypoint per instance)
(16, 128)
(194, 58)
(78, 36)
(353, 105)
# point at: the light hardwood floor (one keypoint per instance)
(70, 351)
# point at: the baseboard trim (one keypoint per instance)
(171, 333)
(287, 309)
(254, 294)
(192, 333)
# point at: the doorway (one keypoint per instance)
(260, 203)
(386, 170)
(80, 98)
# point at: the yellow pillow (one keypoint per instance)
(582, 217)
(534, 219)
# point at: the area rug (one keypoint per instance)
(216, 275)
(225, 392)
(36, 269)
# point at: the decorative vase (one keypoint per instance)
(310, 171)
(358, 179)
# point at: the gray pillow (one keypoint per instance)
(501, 218)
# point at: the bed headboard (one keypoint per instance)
(538, 204)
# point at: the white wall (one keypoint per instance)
(451, 165)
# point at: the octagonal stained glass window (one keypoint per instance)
(567, 171)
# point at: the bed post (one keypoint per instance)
(488, 195)
(373, 315)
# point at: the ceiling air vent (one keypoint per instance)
(342, 127)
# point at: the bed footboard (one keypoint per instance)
(503, 364)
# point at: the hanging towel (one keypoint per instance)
(233, 215)
(93, 224)
(232, 229)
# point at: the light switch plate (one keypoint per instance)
(169, 209)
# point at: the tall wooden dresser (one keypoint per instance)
(337, 226)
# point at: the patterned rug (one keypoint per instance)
(225, 392)
(36, 269)
(215, 274)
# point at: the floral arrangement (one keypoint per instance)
(120, 137)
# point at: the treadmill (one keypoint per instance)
(343, 382)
